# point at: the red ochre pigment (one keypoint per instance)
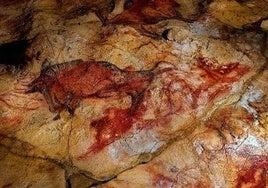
(64, 85)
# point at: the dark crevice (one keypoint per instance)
(128, 4)
(11, 2)
(99, 183)
(255, 26)
(68, 183)
(264, 47)
(13, 54)
(165, 34)
(77, 12)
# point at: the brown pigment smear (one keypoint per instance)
(64, 85)
(147, 12)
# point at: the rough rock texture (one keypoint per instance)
(92, 90)
(229, 149)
